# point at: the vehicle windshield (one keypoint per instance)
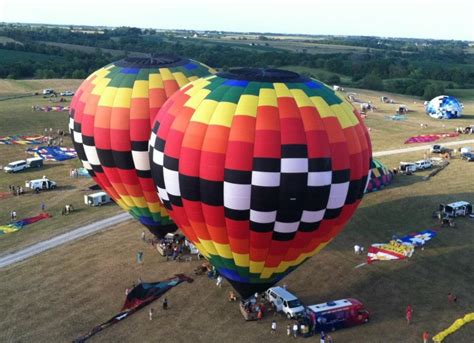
(294, 303)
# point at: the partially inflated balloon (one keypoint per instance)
(260, 169)
(444, 107)
(110, 123)
(380, 176)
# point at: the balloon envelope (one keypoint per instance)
(444, 107)
(260, 168)
(380, 176)
(110, 123)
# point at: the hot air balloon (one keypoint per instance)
(110, 123)
(380, 176)
(260, 169)
(444, 107)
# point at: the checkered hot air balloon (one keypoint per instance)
(110, 123)
(444, 107)
(260, 168)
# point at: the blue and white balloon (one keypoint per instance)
(444, 107)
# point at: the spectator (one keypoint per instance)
(288, 330)
(13, 215)
(425, 336)
(274, 326)
(295, 329)
(150, 313)
(232, 296)
(127, 291)
(43, 206)
(165, 304)
(322, 338)
(143, 236)
(139, 257)
(452, 298)
(219, 281)
(409, 313)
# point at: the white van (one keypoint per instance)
(40, 184)
(465, 150)
(455, 209)
(16, 166)
(285, 301)
(423, 164)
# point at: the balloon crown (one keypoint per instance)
(263, 75)
(153, 61)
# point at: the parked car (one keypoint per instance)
(456, 209)
(34, 162)
(48, 91)
(40, 184)
(408, 167)
(468, 156)
(67, 93)
(339, 314)
(15, 166)
(439, 149)
(285, 301)
(423, 164)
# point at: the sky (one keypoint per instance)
(453, 19)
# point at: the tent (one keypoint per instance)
(380, 176)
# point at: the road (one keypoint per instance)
(51, 243)
(109, 223)
(419, 148)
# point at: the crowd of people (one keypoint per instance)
(16, 190)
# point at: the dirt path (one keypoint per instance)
(419, 148)
(51, 243)
(108, 223)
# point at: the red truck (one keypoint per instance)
(338, 314)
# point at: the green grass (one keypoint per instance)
(318, 73)
(17, 118)
(63, 293)
(8, 56)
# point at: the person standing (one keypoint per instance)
(219, 281)
(409, 313)
(295, 329)
(328, 339)
(288, 330)
(43, 206)
(322, 338)
(14, 215)
(139, 257)
(274, 326)
(425, 336)
(143, 236)
(150, 313)
(165, 304)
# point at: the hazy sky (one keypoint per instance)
(448, 19)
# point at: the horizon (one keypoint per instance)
(383, 18)
(64, 25)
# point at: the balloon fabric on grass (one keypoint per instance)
(260, 168)
(110, 123)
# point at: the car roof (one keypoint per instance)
(280, 291)
(333, 305)
(16, 162)
(458, 203)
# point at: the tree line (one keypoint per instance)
(399, 66)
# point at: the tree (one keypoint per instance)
(433, 90)
(372, 81)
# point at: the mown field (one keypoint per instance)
(17, 117)
(63, 293)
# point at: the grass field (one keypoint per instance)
(63, 293)
(16, 117)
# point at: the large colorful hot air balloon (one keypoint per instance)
(260, 168)
(110, 123)
(444, 107)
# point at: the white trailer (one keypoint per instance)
(97, 199)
